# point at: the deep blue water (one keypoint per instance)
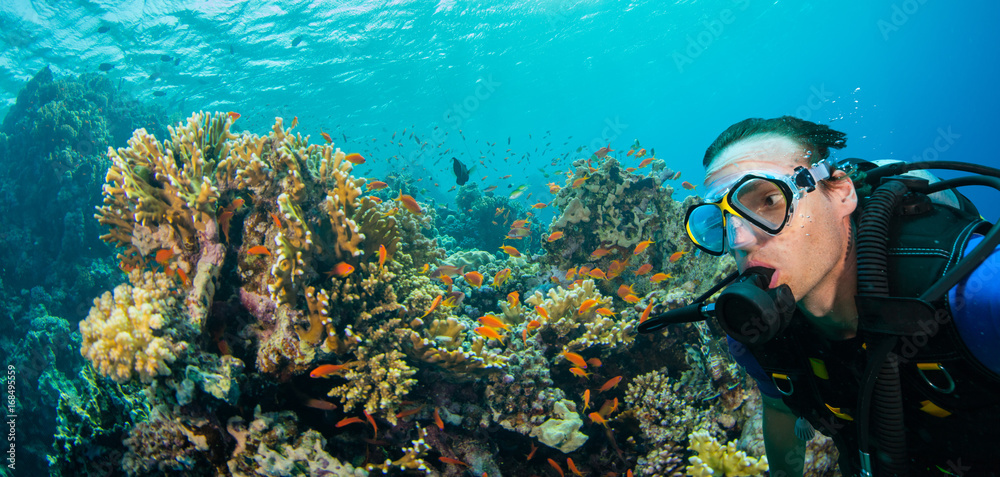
(892, 74)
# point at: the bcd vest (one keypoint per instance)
(951, 402)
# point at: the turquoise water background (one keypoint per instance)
(904, 79)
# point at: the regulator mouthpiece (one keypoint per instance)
(752, 313)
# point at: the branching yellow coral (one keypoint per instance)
(563, 308)
(716, 459)
(379, 384)
(124, 334)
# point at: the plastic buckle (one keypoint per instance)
(791, 385)
(921, 367)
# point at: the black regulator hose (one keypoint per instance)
(880, 398)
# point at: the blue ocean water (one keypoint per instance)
(904, 79)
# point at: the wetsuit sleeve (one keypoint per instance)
(745, 358)
(975, 306)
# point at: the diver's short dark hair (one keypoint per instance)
(817, 138)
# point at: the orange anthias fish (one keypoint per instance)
(355, 158)
(532, 453)
(687, 185)
(381, 255)
(326, 370)
(434, 304)
(602, 152)
(532, 325)
(513, 298)
(659, 277)
(540, 205)
(377, 185)
(645, 313)
(676, 256)
(542, 312)
(513, 252)
(554, 188)
(600, 252)
(259, 250)
(371, 421)
(605, 312)
(597, 273)
(449, 460)
(644, 269)
(595, 362)
(554, 236)
(409, 203)
(326, 137)
(164, 255)
(610, 384)
(409, 412)
(594, 416)
(437, 419)
(572, 467)
(571, 273)
(574, 358)
(233, 115)
(555, 465)
(641, 246)
(184, 277)
(474, 278)
(342, 269)
(631, 299)
(579, 372)
(579, 182)
(349, 420)
(624, 290)
(642, 152)
(645, 162)
(500, 277)
(494, 322)
(586, 305)
(586, 399)
(487, 332)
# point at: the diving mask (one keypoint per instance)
(765, 199)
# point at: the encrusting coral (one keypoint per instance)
(133, 332)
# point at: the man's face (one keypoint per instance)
(815, 239)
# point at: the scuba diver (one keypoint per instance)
(866, 305)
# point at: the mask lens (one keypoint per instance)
(705, 227)
(762, 201)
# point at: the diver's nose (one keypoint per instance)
(739, 234)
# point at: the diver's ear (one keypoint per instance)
(844, 194)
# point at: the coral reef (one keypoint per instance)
(714, 458)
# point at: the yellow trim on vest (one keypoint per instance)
(929, 366)
(836, 412)
(933, 409)
(819, 368)
(780, 376)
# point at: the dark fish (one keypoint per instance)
(652, 152)
(165, 58)
(177, 61)
(296, 41)
(232, 50)
(159, 93)
(104, 29)
(154, 76)
(461, 172)
(105, 67)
